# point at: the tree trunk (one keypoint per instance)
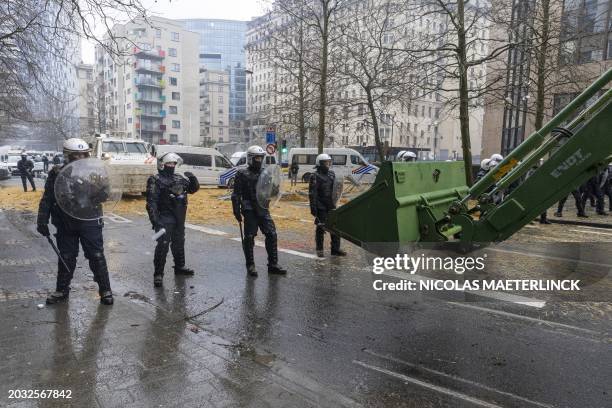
(301, 107)
(379, 146)
(541, 63)
(464, 97)
(323, 79)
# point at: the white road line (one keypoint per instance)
(117, 218)
(287, 251)
(503, 296)
(454, 377)
(527, 318)
(555, 258)
(591, 232)
(427, 385)
(205, 230)
(593, 228)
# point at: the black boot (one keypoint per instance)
(182, 270)
(338, 252)
(276, 270)
(582, 215)
(251, 271)
(559, 214)
(158, 280)
(106, 298)
(57, 297)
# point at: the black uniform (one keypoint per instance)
(244, 201)
(167, 208)
(25, 168)
(45, 161)
(607, 189)
(593, 190)
(320, 193)
(71, 231)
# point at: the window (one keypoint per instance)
(173, 138)
(176, 124)
(304, 159)
(173, 110)
(175, 67)
(174, 36)
(220, 99)
(173, 81)
(356, 159)
(136, 148)
(172, 52)
(220, 88)
(112, 147)
(338, 159)
(221, 161)
(157, 33)
(129, 106)
(129, 120)
(220, 131)
(176, 96)
(194, 159)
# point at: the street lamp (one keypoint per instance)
(250, 131)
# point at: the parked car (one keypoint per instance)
(205, 163)
(345, 162)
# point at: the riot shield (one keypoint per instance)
(268, 189)
(337, 189)
(85, 188)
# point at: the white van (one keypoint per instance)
(236, 157)
(345, 162)
(128, 158)
(205, 163)
(227, 178)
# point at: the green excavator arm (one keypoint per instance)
(429, 202)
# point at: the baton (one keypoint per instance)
(158, 234)
(58, 253)
(241, 235)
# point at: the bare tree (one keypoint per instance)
(373, 37)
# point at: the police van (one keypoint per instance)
(345, 163)
(205, 163)
(227, 178)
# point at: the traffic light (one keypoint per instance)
(284, 145)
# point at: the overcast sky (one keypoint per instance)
(222, 9)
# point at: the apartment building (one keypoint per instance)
(214, 106)
(152, 90)
(428, 123)
(580, 38)
(87, 116)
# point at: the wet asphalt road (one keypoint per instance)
(321, 332)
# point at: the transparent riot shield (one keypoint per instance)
(268, 189)
(85, 188)
(337, 189)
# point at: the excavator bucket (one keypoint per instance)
(391, 210)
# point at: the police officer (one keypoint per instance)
(320, 194)
(245, 203)
(592, 191)
(167, 208)
(485, 166)
(407, 156)
(25, 167)
(45, 161)
(70, 231)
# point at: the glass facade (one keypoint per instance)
(587, 31)
(222, 45)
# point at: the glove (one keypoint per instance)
(189, 174)
(43, 229)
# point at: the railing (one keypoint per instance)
(151, 53)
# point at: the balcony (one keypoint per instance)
(150, 99)
(151, 128)
(162, 128)
(149, 68)
(154, 54)
(157, 115)
(149, 82)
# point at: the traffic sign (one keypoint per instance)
(270, 136)
(271, 148)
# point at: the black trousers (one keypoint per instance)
(90, 237)
(577, 198)
(263, 222)
(320, 233)
(30, 178)
(593, 190)
(174, 239)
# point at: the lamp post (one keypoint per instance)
(250, 73)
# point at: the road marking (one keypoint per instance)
(555, 258)
(205, 230)
(503, 296)
(595, 228)
(454, 377)
(527, 318)
(592, 232)
(287, 251)
(116, 218)
(427, 385)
